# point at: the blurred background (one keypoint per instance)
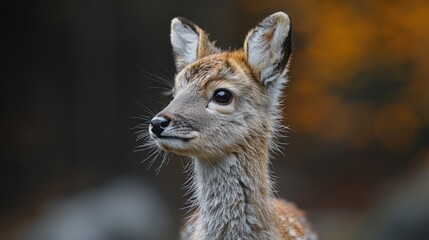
(75, 73)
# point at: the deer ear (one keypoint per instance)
(189, 42)
(268, 47)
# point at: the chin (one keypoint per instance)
(175, 146)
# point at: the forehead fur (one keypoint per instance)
(226, 65)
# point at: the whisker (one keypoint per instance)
(156, 78)
(146, 109)
(152, 152)
(158, 151)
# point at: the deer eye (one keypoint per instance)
(222, 96)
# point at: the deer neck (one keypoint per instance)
(234, 196)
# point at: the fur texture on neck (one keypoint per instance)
(233, 195)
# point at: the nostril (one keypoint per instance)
(159, 124)
(165, 122)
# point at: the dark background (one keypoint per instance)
(75, 73)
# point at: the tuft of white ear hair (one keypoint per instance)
(268, 47)
(184, 39)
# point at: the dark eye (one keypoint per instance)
(222, 96)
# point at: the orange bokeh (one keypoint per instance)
(375, 50)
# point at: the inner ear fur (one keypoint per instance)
(189, 42)
(268, 47)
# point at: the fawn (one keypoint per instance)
(224, 115)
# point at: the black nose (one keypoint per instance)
(159, 124)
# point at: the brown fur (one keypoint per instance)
(289, 220)
(231, 143)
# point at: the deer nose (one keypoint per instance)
(159, 124)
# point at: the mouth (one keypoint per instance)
(175, 138)
(172, 138)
